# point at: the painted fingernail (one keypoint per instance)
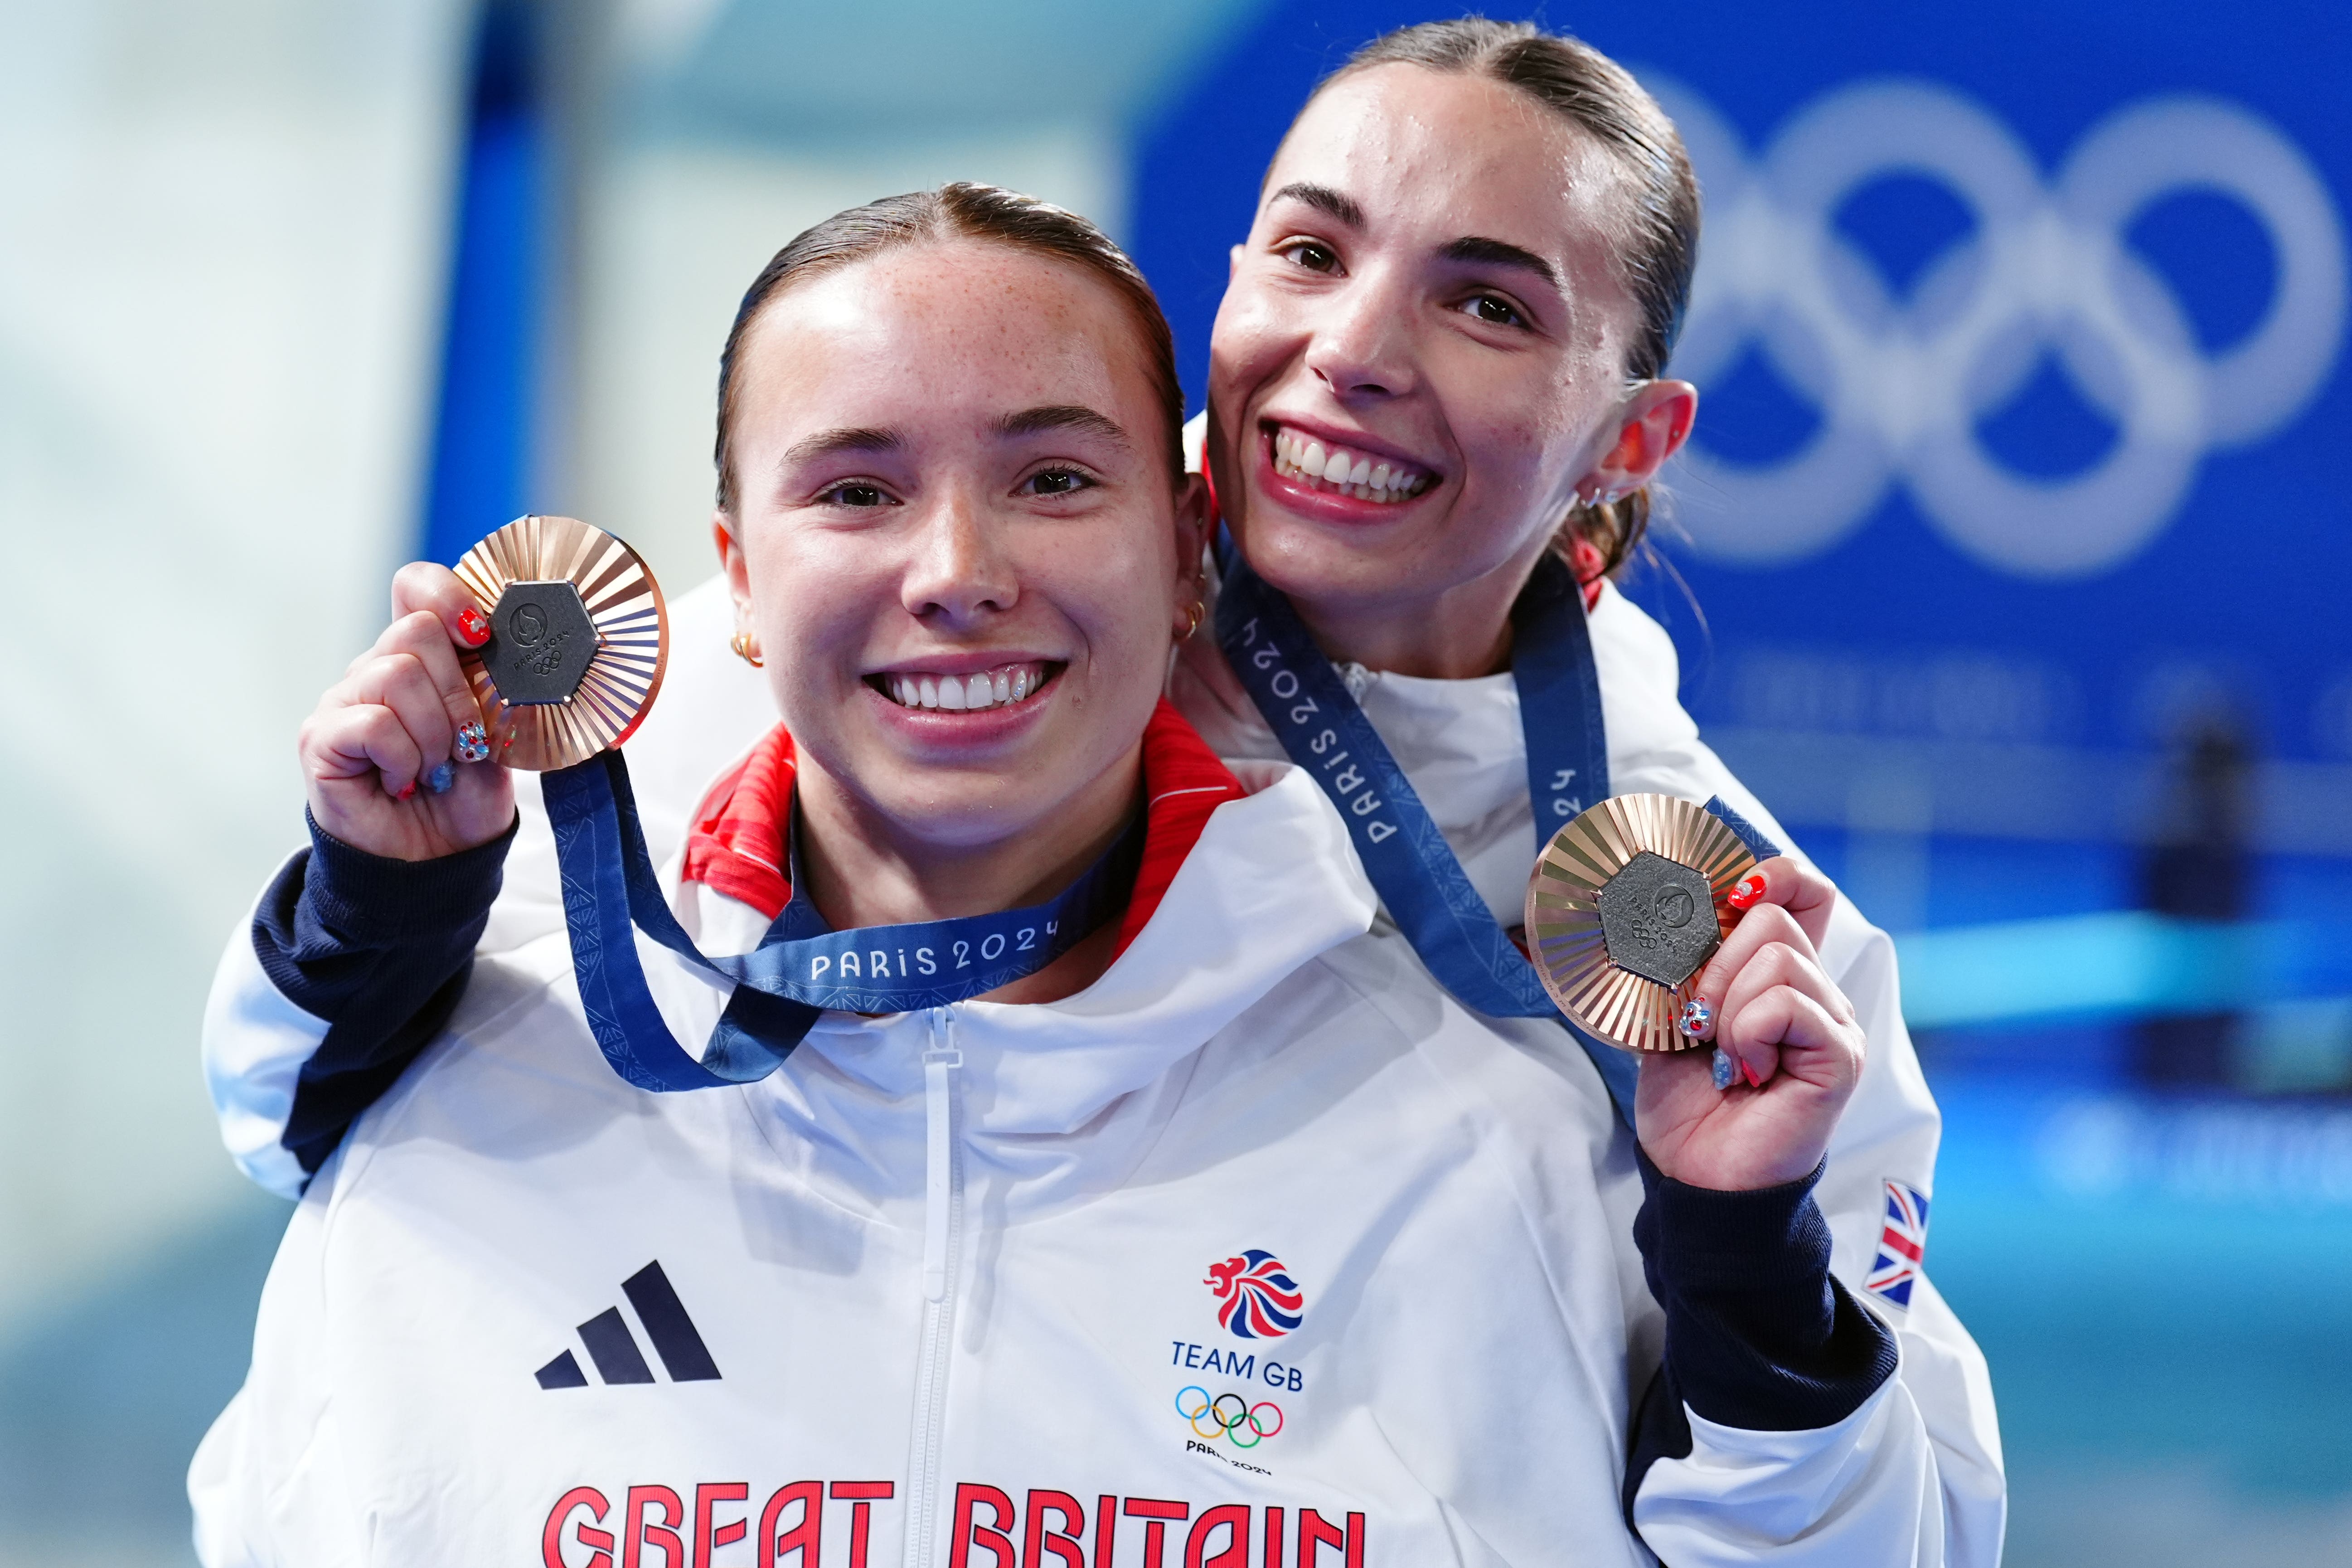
(474, 626)
(473, 742)
(1698, 1019)
(1751, 889)
(1749, 1074)
(443, 775)
(406, 791)
(1725, 1074)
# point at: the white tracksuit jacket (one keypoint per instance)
(940, 1291)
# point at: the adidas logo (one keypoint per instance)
(615, 1350)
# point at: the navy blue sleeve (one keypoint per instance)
(1758, 1334)
(381, 950)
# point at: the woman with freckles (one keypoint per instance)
(1437, 371)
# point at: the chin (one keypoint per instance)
(952, 810)
(1302, 559)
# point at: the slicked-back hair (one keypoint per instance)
(957, 211)
(1593, 93)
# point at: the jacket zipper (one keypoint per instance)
(943, 1236)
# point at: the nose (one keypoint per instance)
(958, 572)
(1361, 347)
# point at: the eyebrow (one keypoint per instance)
(1324, 199)
(1471, 247)
(828, 443)
(1500, 253)
(1062, 416)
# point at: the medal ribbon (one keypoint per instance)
(802, 967)
(1414, 870)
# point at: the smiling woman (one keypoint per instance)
(979, 568)
(1469, 259)
(1496, 351)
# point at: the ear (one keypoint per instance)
(1652, 424)
(732, 561)
(1192, 542)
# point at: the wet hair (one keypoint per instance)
(1593, 93)
(958, 211)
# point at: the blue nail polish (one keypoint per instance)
(439, 780)
(1724, 1073)
(1697, 1016)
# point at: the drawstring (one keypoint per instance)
(939, 1154)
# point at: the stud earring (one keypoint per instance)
(747, 651)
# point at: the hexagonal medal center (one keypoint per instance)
(1657, 919)
(541, 641)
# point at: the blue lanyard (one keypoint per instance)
(1411, 867)
(802, 967)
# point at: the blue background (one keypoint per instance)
(2249, 574)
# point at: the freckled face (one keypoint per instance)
(1423, 342)
(960, 544)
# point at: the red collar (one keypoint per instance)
(737, 847)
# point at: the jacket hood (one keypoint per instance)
(1242, 883)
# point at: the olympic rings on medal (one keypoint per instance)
(1228, 1416)
(2048, 272)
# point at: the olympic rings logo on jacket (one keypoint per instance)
(1228, 1415)
(1901, 382)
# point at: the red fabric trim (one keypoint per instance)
(737, 848)
(1184, 782)
(736, 843)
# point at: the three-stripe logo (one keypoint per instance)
(613, 1349)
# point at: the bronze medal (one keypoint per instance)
(579, 639)
(1624, 908)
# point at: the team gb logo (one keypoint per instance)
(1256, 1297)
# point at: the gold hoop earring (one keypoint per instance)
(1193, 618)
(747, 651)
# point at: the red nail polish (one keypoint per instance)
(1749, 1074)
(405, 793)
(474, 626)
(1751, 889)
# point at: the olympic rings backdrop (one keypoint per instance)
(2021, 336)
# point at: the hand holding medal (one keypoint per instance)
(1653, 927)
(543, 648)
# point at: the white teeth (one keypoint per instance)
(1301, 457)
(997, 688)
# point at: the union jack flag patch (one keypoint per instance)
(1902, 1243)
